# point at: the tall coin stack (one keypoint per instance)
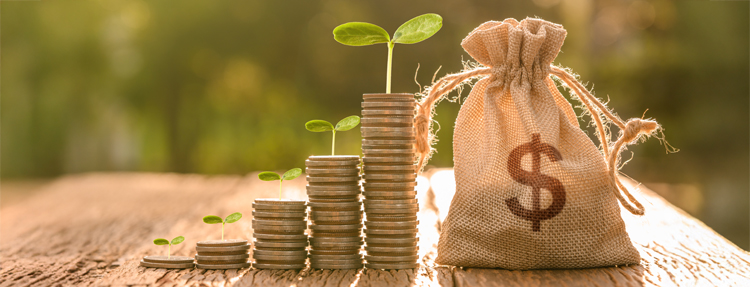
(222, 254)
(279, 231)
(390, 181)
(334, 191)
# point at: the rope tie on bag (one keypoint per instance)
(630, 132)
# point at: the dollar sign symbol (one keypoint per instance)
(536, 180)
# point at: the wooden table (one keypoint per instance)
(92, 229)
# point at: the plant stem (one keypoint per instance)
(169, 251)
(222, 231)
(388, 76)
(281, 181)
(333, 143)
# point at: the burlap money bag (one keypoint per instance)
(532, 190)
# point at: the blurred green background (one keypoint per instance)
(225, 87)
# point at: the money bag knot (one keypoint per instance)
(636, 127)
(498, 73)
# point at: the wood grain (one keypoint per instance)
(92, 229)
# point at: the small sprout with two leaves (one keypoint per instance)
(213, 219)
(413, 31)
(288, 175)
(175, 241)
(323, 126)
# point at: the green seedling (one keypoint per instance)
(288, 175)
(213, 219)
(323, 126)
(413, 31)
(175, 241)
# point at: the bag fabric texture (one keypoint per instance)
(532, 190)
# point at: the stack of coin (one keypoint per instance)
(390, 181)
(168, 262)
(222, 254)
(279, 230)
(334, 193)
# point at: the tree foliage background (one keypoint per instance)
(226, 86)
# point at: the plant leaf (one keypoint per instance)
(292, 173)
(360, 34)
(418, 29)
(161, 241)
(269, 176)
(347, 123)
(212, 219)
(232, 218)
(318, 126)
(178, 240)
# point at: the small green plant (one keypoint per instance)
(175, 241)
(213, 219)
(413, 31)
(323, 126)
(288, 175)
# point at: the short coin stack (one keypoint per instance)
(335, 211)
(222, 254)
(390, 181)
(279, 231)
(168, 262)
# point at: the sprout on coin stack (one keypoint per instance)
(169, 261)
(222, 254)
(390, 180)
(279, 228)
(335, 208)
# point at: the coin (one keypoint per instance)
(369, 112)
(353, 171)
(351, 187)
(394, 241)
(392, 224)
(389, 142)
(285, 258)
(352, 233)
(409, 249)
(286, 237)
(223, 266)
(337, 205)
(318, 257)
(389, 159)
(334, 252)
(388, 120)
(375, 206)
(391, 217)
(202, 249)
(276, 201)
(408, 258)
(279, 266)
(264, 214)
(279, 229)
(280, 222)
(240, 252)
(390, 177)
(335, 239)
(329, 213)
(280, 252)
(279, 245)
(335, 227)
(333, 157)
(388, 95)
(221, 257)
(168, 259)
(336, 266)
(408, 105)
(279, 207)
(167, 265)
(390, 266)
(324, 163)
(391, 232)
(390, 184)
(319, 219)
(214, 262)
(333, 199)
(390, 194)
(333, 179)
(388, 151)
(337, 245)
(391, 201)
(384, 210)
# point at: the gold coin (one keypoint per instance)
(168, 259)
(391, 217)
(394, 241)
(335, 171)
(388, 95)
(352, 233)
(374, 210)
(405, 250)
(335, 228)
(223, 266)
(276, 201)
(228, 242)
(300, 215)
(392, 201)
(279, 222)
(279, 208)
(411, 184)
(389, 152)
(389, 159)
(332, 213)
(391, 224)
(391, 232)
(375, 206)
(167, 265)
(353, 187)
(353, 179)
(387, 112)
(280, 258)
(281, 245)
(389, 142)
(377, 177)
(212, 262)
(407, 120)
(392, 266)
(333, 157)
(287, 237)
(335, 252)
(337, 205)
(406, 105)
(337, 245)
(407, 258)
(322, 163)
(336, 239)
